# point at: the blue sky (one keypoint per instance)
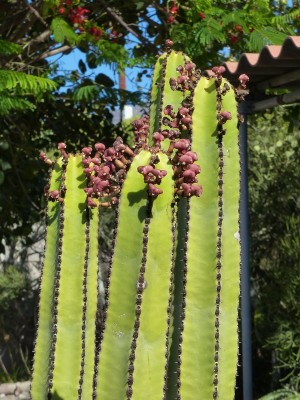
(70, 61)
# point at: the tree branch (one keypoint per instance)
(120, 20)
(58, 50)
(38, 15)
(29, 18)
(37, 40)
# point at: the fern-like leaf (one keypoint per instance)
(24, 83)
(86, 93)
(208, 33)
(8, 48)
(62, 31)
(112, 53)
(9, 103)
(234, 18)
(260, 38)
(286, 18)
(282, 394)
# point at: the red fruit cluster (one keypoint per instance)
(79, 18)
(241, 91)
(185, 170)
(182, 120)
(141, 130)
(235, 34)
(152, 177)
(187, 79)
(95, 31)
(105, 171)
(172, 11)
(223, 117)
(218, 71)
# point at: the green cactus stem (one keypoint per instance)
(149, 345)
(230, 279)
(169, 320)
(162, 94)
(70, 275)
(42, 356)
(89, 307)
(212, 267)
(198, 330)
(122, 285)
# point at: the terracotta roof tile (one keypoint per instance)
(271, 61)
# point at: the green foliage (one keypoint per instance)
(23, 83)
(12, 284)
(85, 93)
(16, 324)
(112, 53)
(283, 394)
(7, 48)
(63, 31)
(274, 177)
(262, 37)
(239, 26)
(14, 86)
(9, 104)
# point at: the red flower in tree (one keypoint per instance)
(174, 9)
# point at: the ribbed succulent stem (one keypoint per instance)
(183, 304)
(155, 288)
(42, 357)
(89, 309)
(230, 254)
(197, 366)
(176, 327)
(56, 290)
(141, 284)
(218, 264)
(71, 294)
(161, 92)
(169, 321)
(70, 280)
(118, 330)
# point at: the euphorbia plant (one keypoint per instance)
(169, 324)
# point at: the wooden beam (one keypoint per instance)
(279, 81)
(288, 98)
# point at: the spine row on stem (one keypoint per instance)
(168, 325)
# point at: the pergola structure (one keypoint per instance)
(273, 69)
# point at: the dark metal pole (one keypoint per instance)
(245, 267)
